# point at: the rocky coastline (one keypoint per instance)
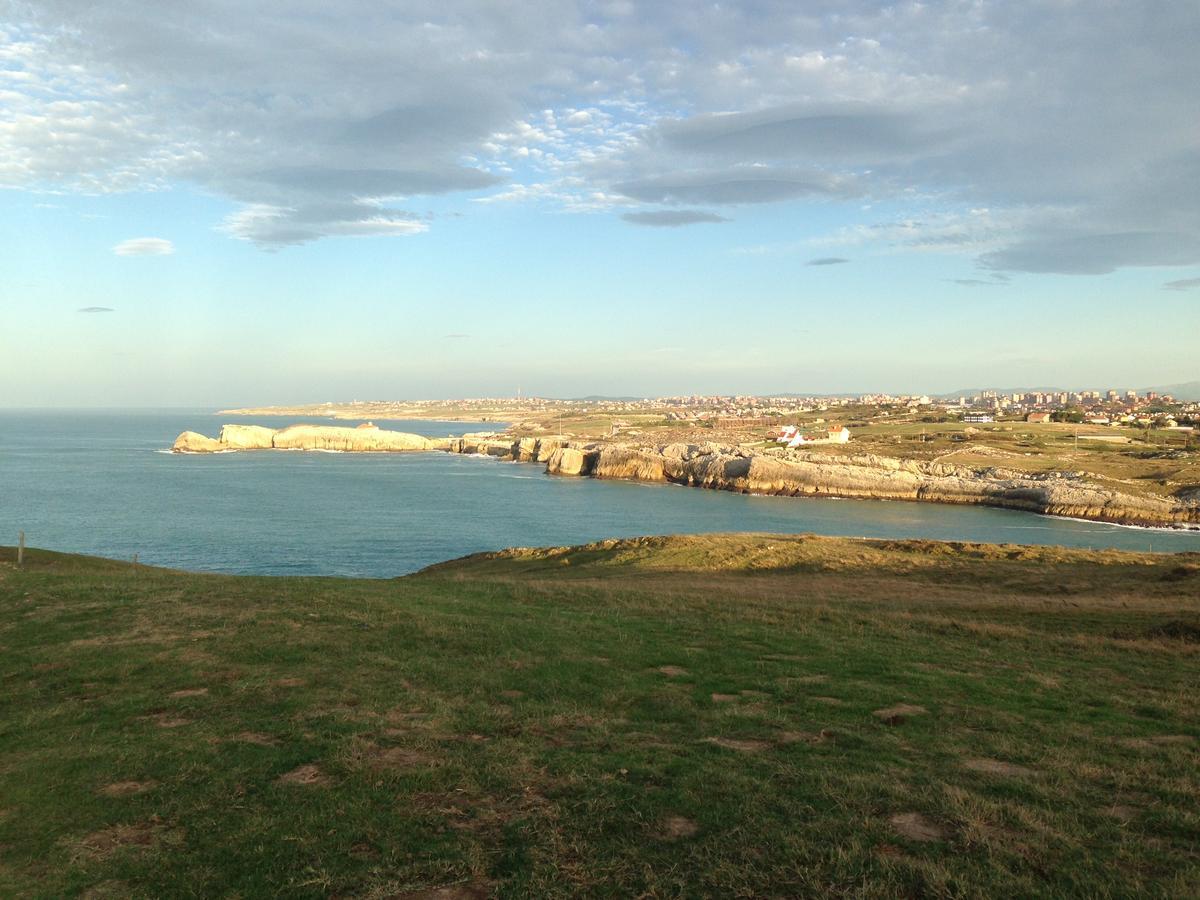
(742, 470)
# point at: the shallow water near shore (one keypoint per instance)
(92, 482)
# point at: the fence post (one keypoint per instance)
(20, 548)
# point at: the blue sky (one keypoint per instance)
(456, 200)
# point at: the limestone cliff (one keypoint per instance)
(306, 437)
(352, 440)
(246, 437)
(728, 468)
(872, 477)
(191, 442)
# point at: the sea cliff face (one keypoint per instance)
(728, 468)
(871, 477)
(304, 437)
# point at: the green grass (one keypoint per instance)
(660, 717)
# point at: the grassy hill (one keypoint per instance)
(742, 715)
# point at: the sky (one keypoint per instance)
(224, 203)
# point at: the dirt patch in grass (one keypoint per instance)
(742, 746)
(145, 635)
(1156, 741)
(999, 767)
(1172, 739)
(724, 698)
(916, 827)
(799, 737)
(190, 692)
(253, 737)
(677, 827)
(127, 788)
(828, 701)
(288, 682)
(308, 775)
(166, 720)
(895, 715)
(465, 891)
(1122, 812)
(392, 758)
(107, 890)
(512, 695)
(673, 671)
(105, 843)
(376, 757)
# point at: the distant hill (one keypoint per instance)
(1188, 390)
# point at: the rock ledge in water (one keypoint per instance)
(303, 437)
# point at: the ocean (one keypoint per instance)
(101, 482)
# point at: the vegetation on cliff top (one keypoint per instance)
(740, 715)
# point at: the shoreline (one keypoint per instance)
(882, 544)
(739, 470)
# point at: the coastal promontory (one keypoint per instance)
(366, 438)
(779, 472)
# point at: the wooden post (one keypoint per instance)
(20, 548)
(135, 560)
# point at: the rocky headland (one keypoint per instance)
(731, 468)
(363, 439)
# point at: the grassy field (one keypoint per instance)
(720, 716)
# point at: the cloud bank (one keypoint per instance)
(672, 218)
(1071, 125)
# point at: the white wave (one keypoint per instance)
(1166, 529)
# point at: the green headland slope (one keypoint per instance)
(740, 715)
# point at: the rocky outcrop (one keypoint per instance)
(191, 442)
(306, 437)
(570, 461)
(874, 478)
(729, 468)
(350, 440)
(246, 437)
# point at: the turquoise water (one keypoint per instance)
(98, 482)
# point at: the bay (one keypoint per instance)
(100, 482)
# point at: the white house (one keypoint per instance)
(838, 434)
(834, 434)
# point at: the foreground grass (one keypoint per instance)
(727, 716)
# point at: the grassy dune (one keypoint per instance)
(742, 715)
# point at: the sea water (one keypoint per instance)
(101, 482)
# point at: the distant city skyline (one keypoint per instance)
(229, 205)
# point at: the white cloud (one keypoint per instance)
(298, 118)
(672, 218)
(146, 246)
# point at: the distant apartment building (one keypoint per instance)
(978, 418)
